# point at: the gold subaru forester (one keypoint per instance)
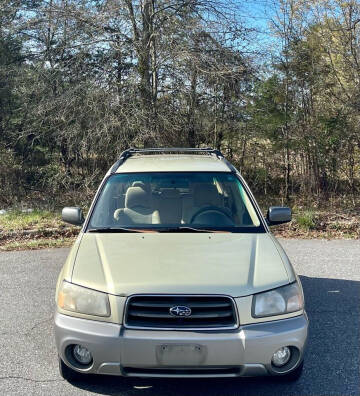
(175, 273)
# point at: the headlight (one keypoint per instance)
(82, 300)
(279, 301)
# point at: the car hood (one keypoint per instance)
(234, 264)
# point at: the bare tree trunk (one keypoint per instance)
(192, 107)
(146, 53)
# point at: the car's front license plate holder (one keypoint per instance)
(180, 354)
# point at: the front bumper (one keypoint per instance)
(246, 351)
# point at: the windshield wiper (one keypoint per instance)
(118, 230)
(188, 229)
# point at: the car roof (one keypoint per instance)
(173, 163)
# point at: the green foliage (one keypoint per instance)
(10, 178)
(306, 220)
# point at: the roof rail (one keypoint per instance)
(173, 150)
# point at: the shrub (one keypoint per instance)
(306, 220)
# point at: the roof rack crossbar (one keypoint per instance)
(131, 151)
(127, 153)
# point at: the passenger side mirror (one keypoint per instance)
(278, 215)
(72, 215)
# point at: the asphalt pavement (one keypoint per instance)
(330, 273)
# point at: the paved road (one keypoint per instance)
(330, 272)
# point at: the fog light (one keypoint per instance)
(82, 355)
(281, 356)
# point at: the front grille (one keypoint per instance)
(206, 312)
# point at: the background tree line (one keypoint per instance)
(80, 80)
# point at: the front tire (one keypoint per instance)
(69, 374)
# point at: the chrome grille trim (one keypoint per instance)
(178, 299)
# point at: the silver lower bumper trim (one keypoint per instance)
(246, 351)
(109, 369)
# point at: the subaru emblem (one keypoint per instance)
(180, 310)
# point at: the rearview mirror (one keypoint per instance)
(278, 215)
(72, 215)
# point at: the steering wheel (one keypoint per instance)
(214, 210)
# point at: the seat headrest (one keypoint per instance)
(206, 195)
(136, 197)
(144, 186)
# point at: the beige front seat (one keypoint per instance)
(170, 206)
(204, 195)
(138, 208)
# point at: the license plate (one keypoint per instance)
(180, 354)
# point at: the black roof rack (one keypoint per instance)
(173, 150)
(127, 153)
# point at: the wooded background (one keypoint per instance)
(81, 80)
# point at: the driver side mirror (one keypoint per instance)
(73, 215)
(278, 215)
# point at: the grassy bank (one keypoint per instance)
(37, 219)
(320, 223)
(34, 230)
(44, 229)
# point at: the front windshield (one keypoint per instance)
(197, 200)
